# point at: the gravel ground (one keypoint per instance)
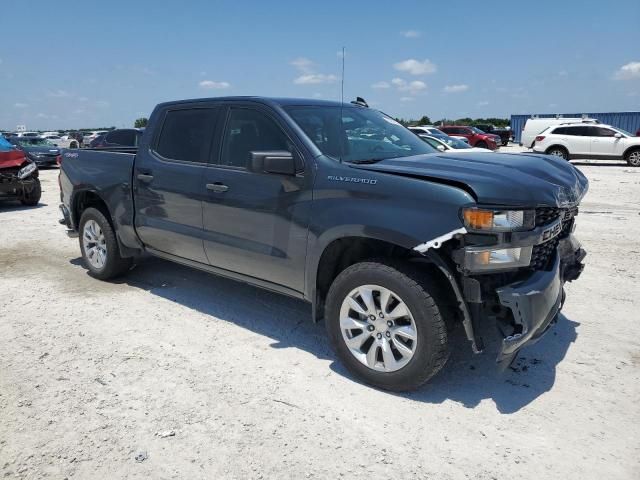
(172, 373)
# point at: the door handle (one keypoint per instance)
(217, 187)
(143, 177)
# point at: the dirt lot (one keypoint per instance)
(171, 373)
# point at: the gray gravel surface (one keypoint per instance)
(172, 373)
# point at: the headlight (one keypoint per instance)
(24, 172)
(496, 259)
(498, 220)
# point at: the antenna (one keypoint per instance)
(342, 79)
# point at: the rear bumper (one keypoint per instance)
(537, 301)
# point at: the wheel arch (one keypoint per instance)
(630, 149)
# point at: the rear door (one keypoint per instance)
(169, 181)
(256, 223)
(578, 140)
(605, 143)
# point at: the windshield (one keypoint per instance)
(624, 132)
(477, 130)
(360, 135)
(33, 142)
(455, 143)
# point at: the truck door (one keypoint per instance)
(169, 181)
(256, 223)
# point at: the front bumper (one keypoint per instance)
(536, 302)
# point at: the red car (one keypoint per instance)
(476, 137)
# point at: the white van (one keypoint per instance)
(534, 126)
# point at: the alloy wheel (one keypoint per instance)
(95, 245)
(634, 158)
(378, 328)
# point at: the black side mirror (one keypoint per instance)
(279, 162)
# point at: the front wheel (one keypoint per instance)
(481, 145)
(99, 246)
(385, 325)
(633, 158)
(32, 193)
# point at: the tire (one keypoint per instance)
(481, 145)
(558, 152)
(32, 197)
(633, 158)
(99, 246)
(407, 285)
(505, 143)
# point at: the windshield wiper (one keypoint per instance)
(364, 161)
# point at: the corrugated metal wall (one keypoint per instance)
(629, 121)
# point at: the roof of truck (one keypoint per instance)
(267, 100)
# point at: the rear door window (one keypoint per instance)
(126, 138)
(186, 134)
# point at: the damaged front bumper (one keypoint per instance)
(535, 303)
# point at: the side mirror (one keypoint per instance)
(618, 135)
(441, 148)
(279, 162)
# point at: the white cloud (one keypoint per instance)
(102, 104)
(407, 99)
(456, 88)
(211, 85)
(416, 67)
(483, 103)
(380, 85)
(83, 99)
(59, 94)
(411, 34)
(317, 95)
(628, 72)
(413, 87)
(303, 64)
(42, 115)
(20, 105)
(563, 73)
(314, 79)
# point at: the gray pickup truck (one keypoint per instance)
(391, 241)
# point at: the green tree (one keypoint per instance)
(141, 122)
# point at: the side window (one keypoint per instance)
(561, 131)
(575, 131)
(186, 134)
(249, 131)
(602, 132)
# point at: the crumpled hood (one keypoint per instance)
(11, 159)
(522, 179)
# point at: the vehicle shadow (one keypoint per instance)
(11, 205)
(600, 163)
(466, 378)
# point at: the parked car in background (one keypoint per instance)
(449, 144)
(339, 205)
(534, 126)
(476, 137)
(40, 151)
(61, 141)
(505, 134)
(120, 137)
(577, 140)
(26, 134)
(18, 175)
(433, 131)
(77, 136)
(88, 137)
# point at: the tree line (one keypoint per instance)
(425, 120)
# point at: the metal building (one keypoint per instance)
(629, 121)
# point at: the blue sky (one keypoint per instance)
(71, 64)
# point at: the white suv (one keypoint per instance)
(577, 140)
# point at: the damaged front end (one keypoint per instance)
(510, 266)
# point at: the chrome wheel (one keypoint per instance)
(95, 245)
(557, 153)
(634, 158)
(378, 328)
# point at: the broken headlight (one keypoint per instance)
(496, 259)
(491, 220)
(24, 172)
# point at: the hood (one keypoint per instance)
(12, 159)
(46, 149)
(524, 180)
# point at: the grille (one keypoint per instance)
(542, 254)
(545, 215)
(8, 174)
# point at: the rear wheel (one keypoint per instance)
(481, 145)
(31, 194)
(633, 158)
(558, 152)
(99, 246)
(505, 143)
(385, 325)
